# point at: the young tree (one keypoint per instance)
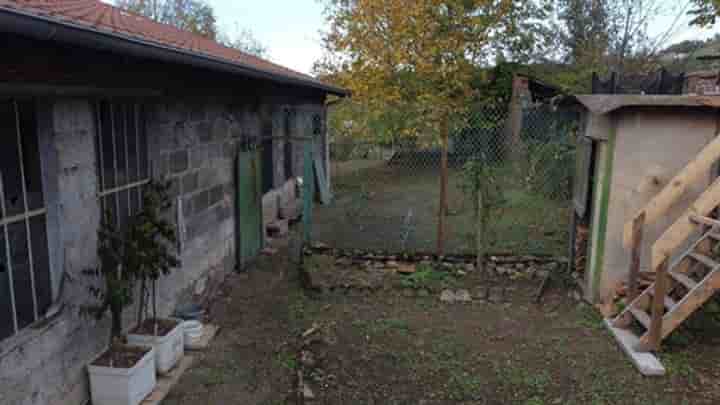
(244, 40)
(411, 62)
(194, 16)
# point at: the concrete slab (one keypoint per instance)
(167, 382)
(647, 363)
(209, 332)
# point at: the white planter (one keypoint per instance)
(193, 331)
(169, 348)
(123, 386)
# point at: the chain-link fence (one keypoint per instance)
(387, 193)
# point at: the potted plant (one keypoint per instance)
(123, 374)
(151, 238)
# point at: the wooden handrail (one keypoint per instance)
(658, 206)
(678, 232)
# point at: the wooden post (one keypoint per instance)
(443, 188)
(637, 237)
(658, 309)
(480, 228)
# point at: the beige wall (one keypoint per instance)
(651, 147)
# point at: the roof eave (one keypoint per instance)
(44, 28)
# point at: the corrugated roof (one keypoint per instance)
(97, 16)
(603, 104)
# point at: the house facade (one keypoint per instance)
(94, 103)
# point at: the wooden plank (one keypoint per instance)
(684, 280)
(693, 172)
(678, 232)
(702, 292)
(641, 316)
(654, 333)
(646, 363)
(701, 220)
(321, 181)
(637, 237)
(705, 260)
(167, 382)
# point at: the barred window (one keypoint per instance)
(25, 280)
(122, 157)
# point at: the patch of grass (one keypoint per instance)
(527, 383)
(590, 318)
(447, 353)
(534, 401)
(426, 276)
(463, 386)
(286, 360)
(679, 363)
(381, 326)
(302, 310)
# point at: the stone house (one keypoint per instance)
(94, 102)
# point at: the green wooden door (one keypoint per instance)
(249, 207)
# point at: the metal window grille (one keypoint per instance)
(25, 280)
(123, 165)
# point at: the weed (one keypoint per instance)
(286, 360)
(463, 386)
(426, 276)
(679, 363)
(534, 401)
(380, 326)
(590, 318)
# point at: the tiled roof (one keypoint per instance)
(98, 16)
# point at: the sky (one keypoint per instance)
(290, 28)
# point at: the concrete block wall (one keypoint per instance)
(193, 144)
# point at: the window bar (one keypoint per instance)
(25, 210)
(115, 162)
(136, 116)
(127, 158)
(98, 130)
(9, 262)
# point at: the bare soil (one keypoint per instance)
(147, 327)
(122, 356)
(399, 344)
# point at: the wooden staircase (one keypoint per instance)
(689, 282)
(682, 286)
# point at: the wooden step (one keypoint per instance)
(703, 220)
(705, 260)
(641, 316)
(691, 302)
(684, 280)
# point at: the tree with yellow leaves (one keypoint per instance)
(411, 62)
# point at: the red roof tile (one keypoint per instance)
(95, 15)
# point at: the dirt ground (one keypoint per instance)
(378, 205)
(399, 344)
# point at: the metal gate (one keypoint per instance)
(249, 225)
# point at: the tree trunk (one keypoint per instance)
(116, 318)
(442, 210)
